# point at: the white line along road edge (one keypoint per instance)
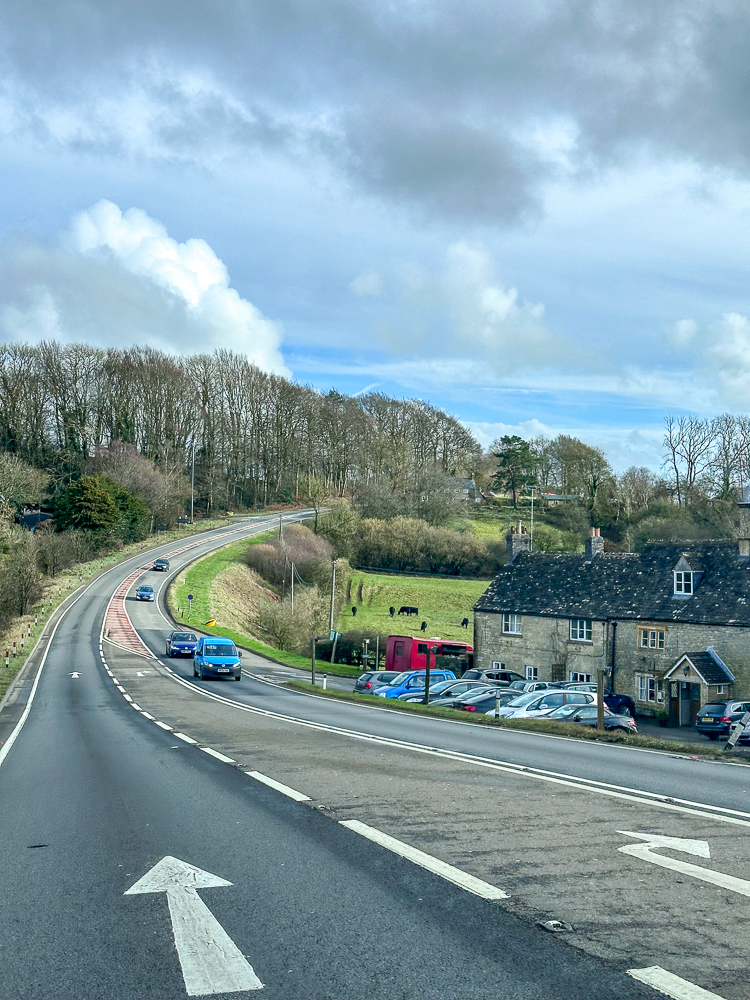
(671, 985)
(291, 793)
(434, 865)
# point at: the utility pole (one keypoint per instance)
(292, 588)
(333, 596)
(192, 489)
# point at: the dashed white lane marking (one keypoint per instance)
(292, 793)
(136, 707)
(186, 739)
(161, 725)
(127, 697)
(218, 756)
(147, 716)
(671, 985)
(434, 865)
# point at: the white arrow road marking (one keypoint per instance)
(75, 675)
(671, 985)
(699, 847)
(211, 962)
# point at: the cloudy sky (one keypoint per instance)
(534, 213)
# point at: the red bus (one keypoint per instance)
(408, 652)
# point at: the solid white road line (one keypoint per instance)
(292, 793)
(434, 865)
(186, 739)
(147, 716)
(218, 756)
(136, 707)
(127, 697)
(162, 725)
(671, 985)
(622, 792)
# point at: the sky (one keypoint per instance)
(533, 214)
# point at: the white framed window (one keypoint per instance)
(649, 689)
(720, 689)
(578, 678)
(532, 673)
(497, 665)
(580, 629)
(512, 624)
(651, 638)
(642, 687)
(683, 582)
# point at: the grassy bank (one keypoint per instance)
(443, 603)
(532, 725)
(56, 589)
(200, 579)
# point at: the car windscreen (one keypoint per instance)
(365, 677)
(523, 699)
(219, 649)
(386, 676)
(146, 590)
(183, 637)
(715, 706)
(400, 678)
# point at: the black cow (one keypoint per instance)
(392, 611)
(465, 623)
(423, 627)
(354, 612)
(405, 609)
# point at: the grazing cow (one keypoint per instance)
(406, 609)
(392, 611)
(423, 627)
(465, 623)
(354, 612)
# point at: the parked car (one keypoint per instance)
(368, 682)
(181, 643)
(216, 657)
(524, 687)
(587, 715)
(620, 704)
(716, 718)
(161, 565)
(536, 703)
(145, 593)
(445, 691)
(413, 680)
(483, 701)
(505, 677)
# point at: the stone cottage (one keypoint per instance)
(671, 624)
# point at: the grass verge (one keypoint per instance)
(198, 579)
(532, 725)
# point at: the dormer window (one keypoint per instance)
(683, 583)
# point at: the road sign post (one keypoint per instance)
(190, 605)
(737, 730)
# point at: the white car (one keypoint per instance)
(539, 703)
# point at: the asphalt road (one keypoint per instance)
(95, 796)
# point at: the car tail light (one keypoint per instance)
(368, 685)
(725, 718)
(469, 708)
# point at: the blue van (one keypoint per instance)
(412, 682)
(216, 657)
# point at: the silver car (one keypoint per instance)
(539, 703)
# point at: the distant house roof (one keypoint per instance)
(463, 484)
(708, 665)
(626, 586)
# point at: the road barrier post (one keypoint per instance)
(312, 670)
(497, 706)
(600, 700)
(15, 651)
(737, 730)
(7, 658)
(325, 682)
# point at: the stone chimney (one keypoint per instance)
(517, 540)
(743, 538)
(594, 545)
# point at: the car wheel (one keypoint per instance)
(238, 677)
(166, 652)
(625, 710)
(200, 672)
(620, 729)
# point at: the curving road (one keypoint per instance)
(266, 891)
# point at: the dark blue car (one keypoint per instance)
(216, 657)
(181, 644)
(145, 593)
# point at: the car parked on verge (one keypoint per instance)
(181, 643)
(216, 657)
(716, 718)
(145, 593)
(524, 687)
(161, 565)
(413, 681)
(537, 703)
(505, 677)
(483, 702)
(620, 704)
(368, 682)
(445, 691)
(587, 715)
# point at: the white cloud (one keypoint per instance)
(369, 283)
(682, 333)
(119, 278)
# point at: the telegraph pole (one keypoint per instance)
(192, 489)
(333, 596)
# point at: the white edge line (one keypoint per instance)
(161, 725)
(218, 756)
(147, 716)
(292, 793)
(186, 739)
(671, 985)
(460, 878)
(136, 707)
(582, 784)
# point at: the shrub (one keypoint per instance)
(310, 553)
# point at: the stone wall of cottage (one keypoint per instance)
(545, 644)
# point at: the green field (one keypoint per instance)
(442, 601)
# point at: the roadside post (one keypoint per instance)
(497, 705)
(15, 651)
(366, 657)
(600, 700)
(334, 638)
(314, 650)
(7, 658)
(190, 605)
(737, 730)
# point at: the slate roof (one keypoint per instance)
(626, 586)
(710, 666)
